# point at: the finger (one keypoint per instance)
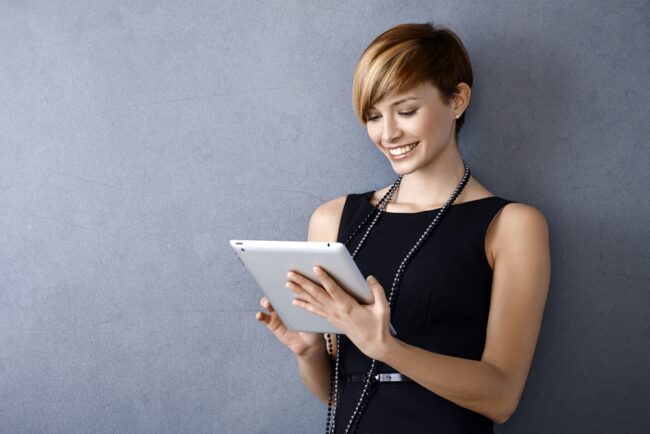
(378, 295)
(332, 287)
(300, 279)
(310, 308)
(265, 319)
(272, 322)
(302, 294)
(264, 301)
(316, 291)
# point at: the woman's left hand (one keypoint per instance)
(366, 325)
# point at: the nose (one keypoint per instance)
(390, 130)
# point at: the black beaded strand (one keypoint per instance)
(333, 395)
(369, 377)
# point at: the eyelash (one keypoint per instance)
(406, 114)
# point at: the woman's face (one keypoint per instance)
(417, 118)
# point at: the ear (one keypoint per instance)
(461, 99)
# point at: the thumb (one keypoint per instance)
(377, 291)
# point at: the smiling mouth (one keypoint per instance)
(402, 149)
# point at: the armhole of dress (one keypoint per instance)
(352, 215)
(484, 230)
(343, 223)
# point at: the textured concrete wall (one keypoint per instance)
(136, 138)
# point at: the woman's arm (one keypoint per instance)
(521, 278)
(315, 373)
(315, 368)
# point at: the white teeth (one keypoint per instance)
(403, 149)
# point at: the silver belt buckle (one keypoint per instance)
(388, 377)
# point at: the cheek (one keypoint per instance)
(374, 134)
(431, 127)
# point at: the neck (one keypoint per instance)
(432, 184)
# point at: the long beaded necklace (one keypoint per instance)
(368, 377)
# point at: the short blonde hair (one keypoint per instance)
(405, 56)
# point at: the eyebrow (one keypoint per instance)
(398, 102)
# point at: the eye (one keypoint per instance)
(405, 114)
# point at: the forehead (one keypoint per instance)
(397, 100)
(419, 93)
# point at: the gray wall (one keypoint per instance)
(136, 138)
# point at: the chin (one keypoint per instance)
(402, 170)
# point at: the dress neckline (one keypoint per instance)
(368, 195)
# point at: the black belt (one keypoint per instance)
(381, 378)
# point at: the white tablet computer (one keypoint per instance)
(269, 261)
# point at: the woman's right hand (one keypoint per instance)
(300, 343)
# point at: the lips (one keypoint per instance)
(403, 149)
(400, 146)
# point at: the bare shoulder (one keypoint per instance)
(324, 221)
(517, 217)
(515, 223)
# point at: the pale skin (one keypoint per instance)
(516, 247)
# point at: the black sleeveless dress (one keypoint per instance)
(442, 306)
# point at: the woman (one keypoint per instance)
(461, 274)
